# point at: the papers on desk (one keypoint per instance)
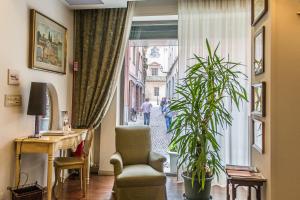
(241, 168)
(243, 172)
(57, 133)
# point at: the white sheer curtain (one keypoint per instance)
(226, 22)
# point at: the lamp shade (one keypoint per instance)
(37, 99)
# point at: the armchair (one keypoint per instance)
(138, 171)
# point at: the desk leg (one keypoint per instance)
(258, 193)
(249, 193)
(17, 174)
(49, 176)
(88, 172)
(227, 190)
(233, 192)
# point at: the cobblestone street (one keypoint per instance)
(159, 136)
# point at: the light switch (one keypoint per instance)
(13, 100)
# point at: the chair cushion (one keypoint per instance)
(133, 143)
(140, 175)
(66, 161)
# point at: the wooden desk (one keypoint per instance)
(256, 182)
(48, 145)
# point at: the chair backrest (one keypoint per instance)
(134, 144)
(88, 142)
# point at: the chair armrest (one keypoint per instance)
(156, 161)
(116, 161)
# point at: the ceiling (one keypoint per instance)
(94, 4)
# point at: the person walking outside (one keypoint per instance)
(168, 115)
(162, 103)
(146, 109)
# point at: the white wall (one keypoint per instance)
(14, 50)
(107, 140)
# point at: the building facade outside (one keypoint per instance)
(160, 61)
(134, 80)
(172, 72)
(155, 83)
(172, 80)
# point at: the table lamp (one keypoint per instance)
(37, 103)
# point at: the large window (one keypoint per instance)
(156, 91)
(154, 71)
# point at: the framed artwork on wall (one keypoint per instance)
(258, 135)
(259, 52)
(258, 99)
(258, 9)
(48, 44)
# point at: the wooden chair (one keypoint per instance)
(81, 163)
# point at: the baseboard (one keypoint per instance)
(106, 173)
(171, 174)
(94, 169)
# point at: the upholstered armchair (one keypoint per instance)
(138, 171)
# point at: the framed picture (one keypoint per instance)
(258, 9)
(258, 135)
(258, 99)
(259, 52)
(48, 44)
(13, 77)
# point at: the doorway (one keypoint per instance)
(151, 71)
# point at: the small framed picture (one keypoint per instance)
(258, 99)
(258, 9)
(66, 126)
(13, 77)
(259, 52)
(48, 44)
(258, 135)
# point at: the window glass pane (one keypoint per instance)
(156, 91)
(154, 71)
(142, 30)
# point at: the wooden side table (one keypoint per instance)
(256, 181)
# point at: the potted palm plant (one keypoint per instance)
(201, 112)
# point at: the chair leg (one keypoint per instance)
(60, 184)
(55, 181)
(81, 177)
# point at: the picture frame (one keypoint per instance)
(259, 52)
(258, 99)
(258, 134)
(13, 77)
(258, 9)
(66, 125)
(48, 44)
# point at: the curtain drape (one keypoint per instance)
(226, 22)
(100, 40)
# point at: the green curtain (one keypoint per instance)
(98, 39)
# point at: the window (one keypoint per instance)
(154, 71)
(133, 56)
(156, 91)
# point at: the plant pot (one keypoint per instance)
(194, 193)
(173, 161)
